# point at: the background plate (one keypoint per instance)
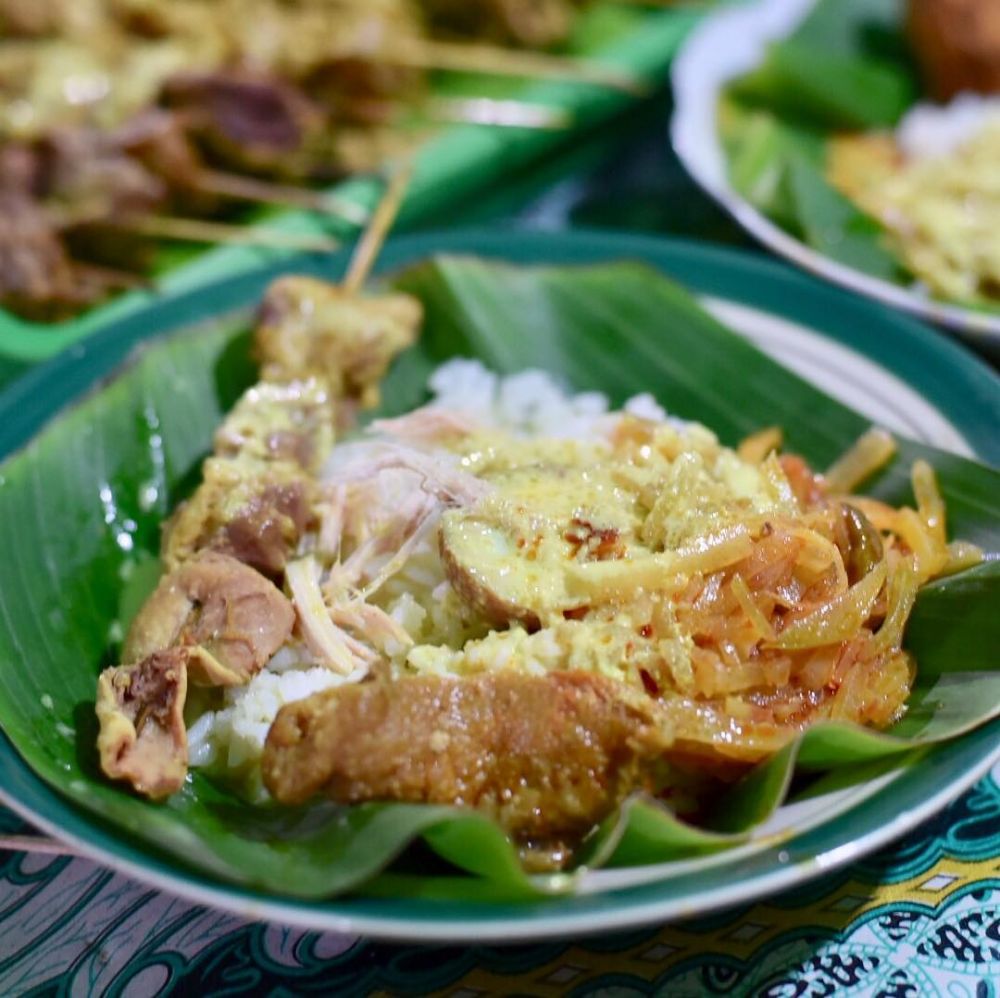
(727, 44)
(936, 392)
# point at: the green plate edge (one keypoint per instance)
(450, 169)
(960, 386)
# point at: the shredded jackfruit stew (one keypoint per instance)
(511, 599)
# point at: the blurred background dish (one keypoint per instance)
(808, 122)
(133, 134)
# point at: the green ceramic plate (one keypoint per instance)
(935, 392)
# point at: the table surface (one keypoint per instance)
(921, 917)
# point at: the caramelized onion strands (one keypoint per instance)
(755, 615)
(872, 450)
(756, 447)
(901, 593)
(837, 620)
(611, 580)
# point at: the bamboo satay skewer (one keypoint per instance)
(39, 844)
(112, 275)
(496, 113)
(368, 246)
(199, 231)
(489, 59)
(265, 192)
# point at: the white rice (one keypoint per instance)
(531, 402)
(230, 740)
(927, 131)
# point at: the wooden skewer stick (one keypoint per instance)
(475, 58)
(36, 844)
(198, 231)
(371, 240)
(112, 276)
(235, 185)
(497, 113)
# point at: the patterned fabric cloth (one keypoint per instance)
(920, 918)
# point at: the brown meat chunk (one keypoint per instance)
(252, 122)
(547, 756)
(254, 511)
(228, 617)
(140, 709)
(534, 23)
(957, 44)
(38, 278)
(311, 328)
(84, 170)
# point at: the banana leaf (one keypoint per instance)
(80, 509)
(836, 226)
(845, 68)
(762, 149)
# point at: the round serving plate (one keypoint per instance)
(727, 44)
(894, 370)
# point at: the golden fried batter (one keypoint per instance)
(546, 756)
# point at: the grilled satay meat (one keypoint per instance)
(532, 23)
(160, 142)
(36, 274)
(38, 278)
(253, 511)
(311, 327)
(547, 756)
(319, 347)
(258, 495)
(255, 123)
(290, 422)
(85, 169)
(41, 18)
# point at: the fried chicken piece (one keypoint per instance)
(254, 511)
(228, 617)
(546, 756)
(308, 327)
(140, 709)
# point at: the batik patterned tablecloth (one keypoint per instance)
(919, 918)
